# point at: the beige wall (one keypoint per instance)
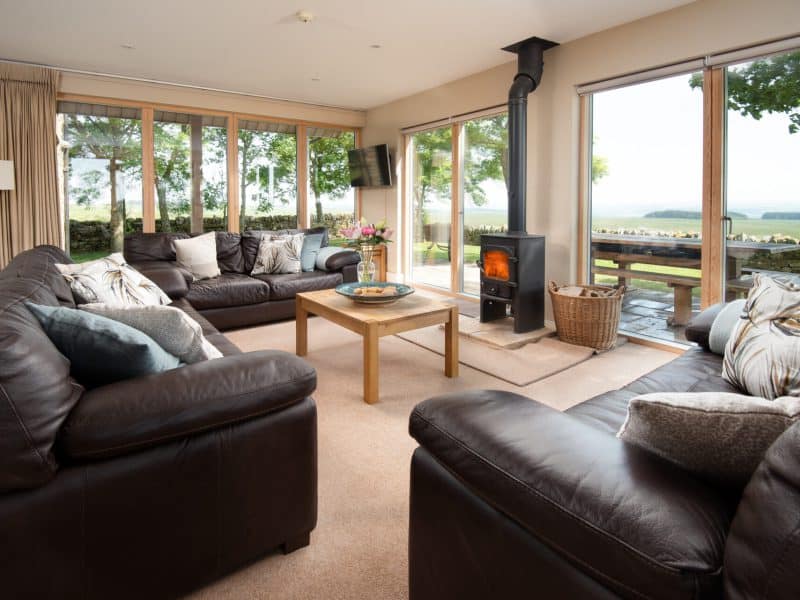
(693, 30)
(110, 87)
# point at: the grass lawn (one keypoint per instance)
(80, 257)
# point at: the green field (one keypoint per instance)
(759, 228)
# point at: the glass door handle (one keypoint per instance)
(729, 225)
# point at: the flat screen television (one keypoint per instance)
(370, 167)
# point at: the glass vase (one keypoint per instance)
(366, 268)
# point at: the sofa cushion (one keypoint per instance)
(229, 252)
(36, 390)
(111, 280)
(101, 350)
(140, 247)
(171, 328)
(40, 265)
(252, 238)
(279, 254)
(647, 528)
(763, 353)
(694, 371)
(229, 289)
(287, 286)
(720, 436)
(198, 255)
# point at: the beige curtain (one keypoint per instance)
(30, 214)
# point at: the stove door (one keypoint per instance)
(498, 263)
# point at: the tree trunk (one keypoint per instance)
(320, 216)
(243, 190)
(163, 209)
(117, 233)
(197, 173)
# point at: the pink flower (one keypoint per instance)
(387, 233)
(368, 230)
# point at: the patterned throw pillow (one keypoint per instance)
(279, 254)
(112, 281)
(763, 352)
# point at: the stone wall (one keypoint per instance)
(95, 236)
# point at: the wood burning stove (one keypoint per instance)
(512, 279)
(512, 264)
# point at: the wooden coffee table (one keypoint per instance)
(374, 322)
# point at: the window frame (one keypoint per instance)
(148, 191)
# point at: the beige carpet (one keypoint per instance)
(519, 367)
(359, 548)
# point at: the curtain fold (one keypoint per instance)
(30, 214)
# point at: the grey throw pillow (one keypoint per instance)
(171, 328)
(101, 350)
(198, 255)
(720, 436)
(723, 326)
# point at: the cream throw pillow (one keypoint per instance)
(762, 356)
(111, 280)
(279, 254)
(198, 255)
(720, 436)
(171, 328)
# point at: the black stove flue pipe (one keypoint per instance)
(529, 73)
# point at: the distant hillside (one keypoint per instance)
(787, 216)
(688, 214)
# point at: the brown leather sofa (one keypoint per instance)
(512, 499)
(235, 298)
(150, 487)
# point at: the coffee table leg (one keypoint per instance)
(371, 363)
(301, 329)
(451, 344)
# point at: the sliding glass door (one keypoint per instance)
(762, 189)
(431, 209)
(484, 195)
(647, 201)
(457, 192)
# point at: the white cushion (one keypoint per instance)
(111, 280)
(279, 254)
(198, 255)
(762, 356)
(171, 328)
(720, 436)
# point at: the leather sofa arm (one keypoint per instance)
(172, 280)
(146, 411)
(763, 547)
(592, 497)
(340, 260)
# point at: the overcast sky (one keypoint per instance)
(651, 136)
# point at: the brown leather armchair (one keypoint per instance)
(150, 487)
(512, 499)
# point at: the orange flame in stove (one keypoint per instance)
(495, 264)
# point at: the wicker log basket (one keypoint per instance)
(591, 319)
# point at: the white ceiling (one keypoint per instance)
(259, 48)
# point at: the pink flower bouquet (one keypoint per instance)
(367, 233)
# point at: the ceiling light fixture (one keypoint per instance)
(304, 16)
(376, 46)
(128, 46)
